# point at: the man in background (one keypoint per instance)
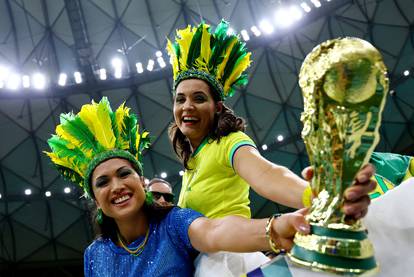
(161, 191)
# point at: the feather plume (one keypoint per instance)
(237, 70)
(172, 50)
(195, 47)
(96, 117)
(119, 117)
(205, 52)
(226, 56)
(94, 133)
(66, 162)
(80, 133)
(184, 39)
(219, 57)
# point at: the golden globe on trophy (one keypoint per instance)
(344, 85)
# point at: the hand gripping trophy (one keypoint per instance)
(344, 86)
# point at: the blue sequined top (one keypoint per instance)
(168, 251)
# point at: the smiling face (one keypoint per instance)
(194, 109)
(118, 189)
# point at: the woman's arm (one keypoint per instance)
(274, 182)
(279, 184)
(238, 234)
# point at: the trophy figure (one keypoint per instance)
(344, 86)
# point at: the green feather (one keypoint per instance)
(130, 132)
(242, 80)
(115, 130)
(176, 48)
(236, 55)
(61, 148)
(219, 46)
(221, 29)
(78, 129)
(195, 47)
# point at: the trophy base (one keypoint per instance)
(334, 250)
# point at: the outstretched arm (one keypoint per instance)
(274, 182)
(279, 184)
(238, 234)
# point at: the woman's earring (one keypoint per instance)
(149, 198)
(99, 216)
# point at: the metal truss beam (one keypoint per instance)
(83, 50)
(85, 57)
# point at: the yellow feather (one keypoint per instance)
(138, 139)
(184, 38)
(243, 64)
(66, 162)
(88, 115)
(173, 58)
(205, 52)
(222, 66)
(72, 142)
(96, 117)
(120, 115)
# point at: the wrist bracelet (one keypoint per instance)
(275, 248)
(307, 197)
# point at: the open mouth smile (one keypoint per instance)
(121, 199)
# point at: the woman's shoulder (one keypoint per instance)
(179, 219)
(97, 243)
(236, 136)
(180, 214)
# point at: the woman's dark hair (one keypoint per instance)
(225, 122)
(109, 229)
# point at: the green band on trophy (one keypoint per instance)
(332, 261)
(338, 233)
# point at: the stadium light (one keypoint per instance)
(39, 81)
(245, 35)
(26, 81)
(139, 67)
(78, 77)
(150, 65)
(13, 81)
(63, 77)
(255, 31)
(102, 74)
(266, 27)
(305, 7)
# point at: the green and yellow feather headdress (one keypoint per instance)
(95, 134)
(219, 58)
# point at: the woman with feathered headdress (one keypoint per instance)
(221, 161)
(101, 151)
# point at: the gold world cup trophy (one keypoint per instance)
(344, 85)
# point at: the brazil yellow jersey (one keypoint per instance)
(211, 186)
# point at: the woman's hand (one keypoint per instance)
(287, 225)
(356, 196)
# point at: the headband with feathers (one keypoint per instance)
(219, 58)
(94, 135)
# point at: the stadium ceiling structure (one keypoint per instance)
(57, 55)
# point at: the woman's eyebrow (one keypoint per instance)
(100, 179)
(121, 168)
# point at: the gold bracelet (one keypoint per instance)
(307, 197)
(275, 248)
